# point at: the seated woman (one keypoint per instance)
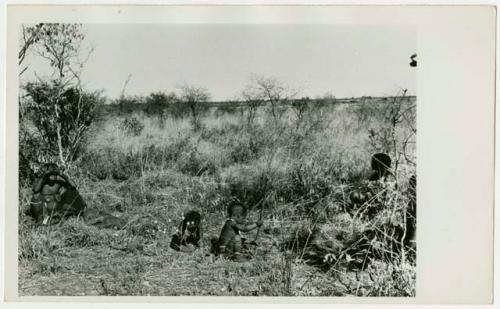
(53, 194)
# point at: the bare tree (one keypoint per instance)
(253, 99)
(267, 90)
(194, 97)
(158, 103)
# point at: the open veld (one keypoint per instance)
(296, 169)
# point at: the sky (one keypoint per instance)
(344, 60)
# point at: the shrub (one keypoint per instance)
(31, 156)
(245, 148)
(132, 126)
(158, 103)
(60, 117)
(195, 98)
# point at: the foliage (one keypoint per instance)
(55, 112)
(265, 90)
(132, 126)
(59, 44)
(61, 117)
(194, 97)
(297, 173)
(158, 103)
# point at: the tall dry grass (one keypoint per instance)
(296, 173)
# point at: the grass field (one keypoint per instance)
(303, 165)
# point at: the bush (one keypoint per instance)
(31, 156)
(57, 115)
(132, 126)
(245, 148)
(158, 103)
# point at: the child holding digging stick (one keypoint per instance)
(230, 243)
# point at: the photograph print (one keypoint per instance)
(217, 159)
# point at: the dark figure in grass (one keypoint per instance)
(380, 173)
(381, 165)
(230, 243)
(369, 196)
(54, 196)
(188, 233)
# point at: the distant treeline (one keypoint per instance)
(146, 105)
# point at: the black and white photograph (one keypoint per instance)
(217, 160)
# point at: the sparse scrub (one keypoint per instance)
(296, 174)
(297, 164)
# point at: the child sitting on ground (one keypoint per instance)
(230, 243)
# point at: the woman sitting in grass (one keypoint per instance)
(54, 194)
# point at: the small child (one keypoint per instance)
(230, 241)
(188, 233)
